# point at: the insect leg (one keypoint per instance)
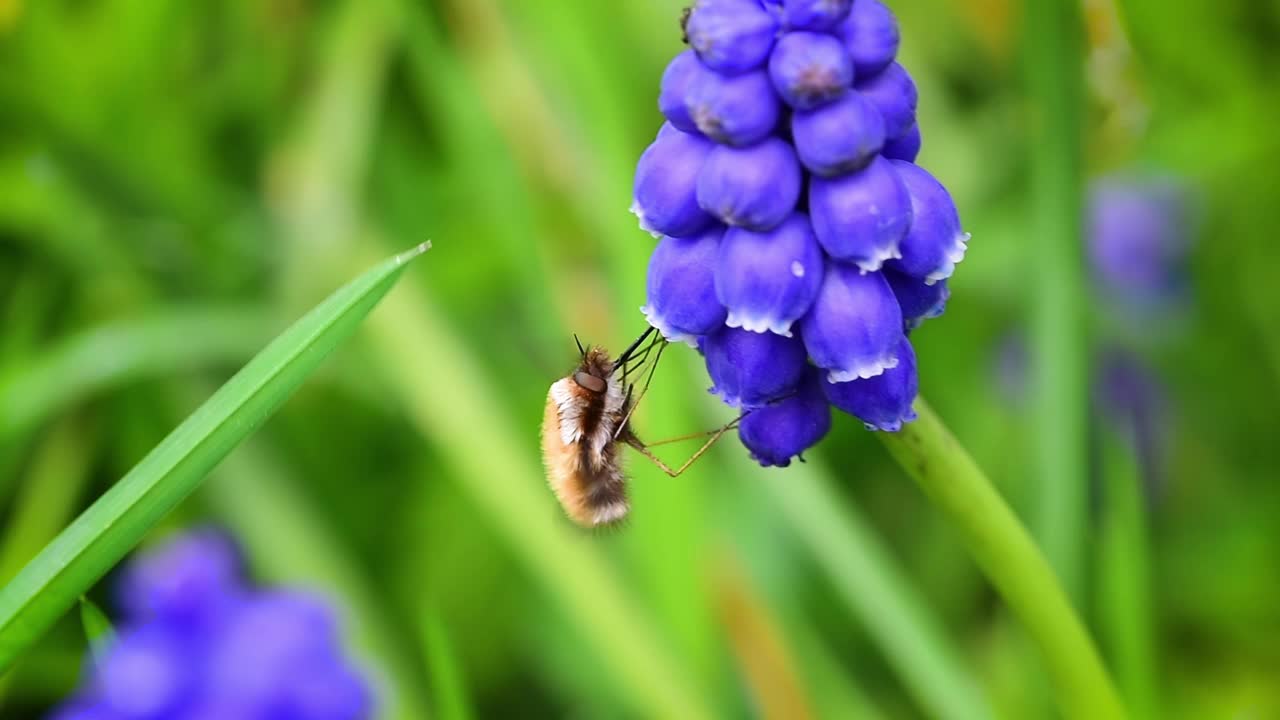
(643, 449)
(681, 438)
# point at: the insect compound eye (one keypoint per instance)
(589, 381)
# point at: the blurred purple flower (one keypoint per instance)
(252, 655)
(1139, 238)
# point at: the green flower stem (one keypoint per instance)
(1005, 552)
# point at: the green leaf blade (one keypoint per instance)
(102, 535)
(98, 629)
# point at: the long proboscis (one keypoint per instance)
(626, 354)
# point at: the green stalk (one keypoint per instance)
(1058, 333)
(1124, 593)
(1005, 552)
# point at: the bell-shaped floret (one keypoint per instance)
(853, 328)
(884, 401)
(776, 433)
(666, 199)
(751, 369)
(754, 187)
(768, 280)
(935, 242)
(681, 295)
(862, 216)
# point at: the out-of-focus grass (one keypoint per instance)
(100, 536)
(165, 155)
(1123, 595)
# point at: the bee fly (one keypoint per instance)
(587, 415)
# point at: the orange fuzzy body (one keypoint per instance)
(579, 450)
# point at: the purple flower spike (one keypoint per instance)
(666, 198)
(906, 147)
(738, 110)
(768, 280)
(935, 242)
(853, 328)
(893, 92)
(731, 36)
(679, 75)
(776, 433)
(681, 287)
(755, 187)
(751, 369)
(188, 580)
(839, 137)
(814, 14)
(861, 217)
(871, 34)
(809, 69)
(884, 401)
(919, 301)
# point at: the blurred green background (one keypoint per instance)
(181, 179)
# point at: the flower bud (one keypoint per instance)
(838, 137)
(767, 281)
(861, 217)
(681, 294)
(935, 242)
(884, 401)
(676, 79)
(853, 328)
(919, 300)
(751, 369)
(871, 34)
(809, 69)
(906, 147)
(666, 198)
(755, 187)
(738, 110)
(814, 14)
(780, 431)
(893, 92)
(731, 36)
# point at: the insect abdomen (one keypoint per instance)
(589, 486)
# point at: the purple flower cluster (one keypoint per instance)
(196, 644)
(799, 241)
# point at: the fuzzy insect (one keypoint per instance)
(587, 416)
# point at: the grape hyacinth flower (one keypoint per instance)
(194, 641)
(1139, 238)
(802, 242)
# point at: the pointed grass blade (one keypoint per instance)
(97, 627)
(82, 553)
